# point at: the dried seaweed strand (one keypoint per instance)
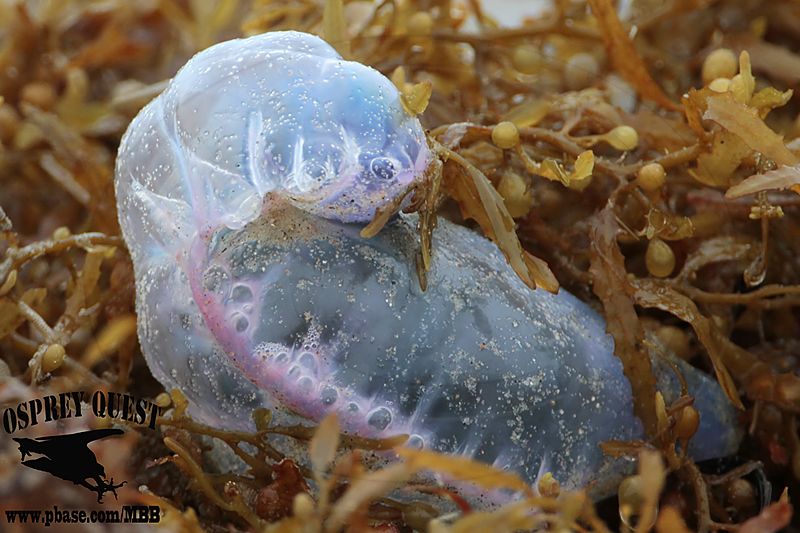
(16, 257)
(232, 439)
(691, 474)
(623, 54)
(754, 298)
(612, 287)
(651, 293)
(236, 505)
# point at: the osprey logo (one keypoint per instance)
(69, 457)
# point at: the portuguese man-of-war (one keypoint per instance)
(242, 189)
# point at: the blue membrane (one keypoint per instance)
(242, 190)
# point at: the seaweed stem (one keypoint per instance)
(16, 257)
(237, 505)
(692, 474)
(37, 321)
(748, 298)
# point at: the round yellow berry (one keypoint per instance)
(651, 177)
(675, 340)
(549, 486)
(688, 422)
(623, 138)
(526, 59)
(303, 506)
(659, 258)
(580, 71)
(163, 400)
(53, 357)
(62, 232)
(721, 63)
(720, 85)
(740, 494)
(420, 24)
(514, 191)
(505, 135)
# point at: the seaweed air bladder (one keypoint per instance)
(242, 192)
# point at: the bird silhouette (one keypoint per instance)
(68, 457)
